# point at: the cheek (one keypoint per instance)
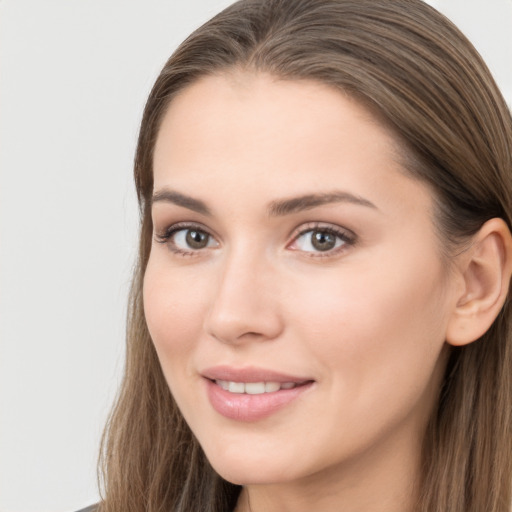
(376, 342)
(173, 309)
(372, 325)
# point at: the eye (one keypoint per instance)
(322, 239)
(186, 239)
(192, 239)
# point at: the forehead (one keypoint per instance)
(258, 110)
(244, 132)
(268, 101)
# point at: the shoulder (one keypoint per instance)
(92, 508)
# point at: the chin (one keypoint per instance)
(251, 476)
(252, 472)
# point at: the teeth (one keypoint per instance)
(224, 384)
(254, 388)
(272, 386)
(236, 387)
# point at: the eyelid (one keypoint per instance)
(165, 236)
(346, 235)
(177, 226)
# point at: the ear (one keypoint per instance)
(486, 268)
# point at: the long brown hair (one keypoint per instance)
(419, 74)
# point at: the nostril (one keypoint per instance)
(243, 325)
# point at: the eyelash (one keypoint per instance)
(167, 237)
(347, 237)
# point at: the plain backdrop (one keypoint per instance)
(74, 75)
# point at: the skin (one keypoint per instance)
(366, 321)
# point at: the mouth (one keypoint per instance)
(252, 394)
(256, 388)
(252, 375)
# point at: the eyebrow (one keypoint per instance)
(171, 196)
(276, 208)
(309, 201)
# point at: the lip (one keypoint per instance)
(250, 374)
(249, 408)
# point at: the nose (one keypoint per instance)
(245, 305)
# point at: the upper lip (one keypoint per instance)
(250, 374)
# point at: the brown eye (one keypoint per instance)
(323, 241)
(196, 239)
(187, 240)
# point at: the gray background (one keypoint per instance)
(73, 80)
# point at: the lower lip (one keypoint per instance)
(245, 407)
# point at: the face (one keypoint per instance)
(295, 291)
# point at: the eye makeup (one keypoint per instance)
(316, 239)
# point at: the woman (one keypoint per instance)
(320, 315)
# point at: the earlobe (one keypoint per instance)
(486, 268)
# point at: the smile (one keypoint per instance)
(252, 394)
(254, 388)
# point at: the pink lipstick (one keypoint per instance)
(251, 394)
